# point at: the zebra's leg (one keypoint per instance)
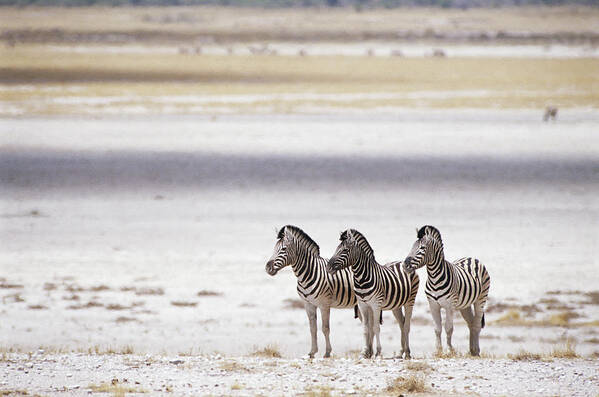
(325, 313)
(376, 328)
(449, 326)
(401, 321)
(476, 327)
(406, 329)
(367, 324)
(436, 313)
(311, 312)
(469, 317)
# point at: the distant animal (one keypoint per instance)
(302, 53)
(550, 113)
(315, 286)
(461, 285)
(377, 288)
(439, 53)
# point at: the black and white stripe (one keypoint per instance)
(377, 287)
(460, 285)
(315, 285)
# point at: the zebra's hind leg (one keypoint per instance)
(401, 321)
(311, 312)
(325, 313)
(436, 313)
(376, 328)
(406, 330)
(476, 327)
(449, 326)
(469, 317)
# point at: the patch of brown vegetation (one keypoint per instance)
(408, 384)
(7, 285)
(88, 305)
(99, 288)
(293, 304)
(524, 355)
(184, 304)
(417, 366)
(149, 291)
(37, 307)
(420, 320)
(116, 306)
(270, 351)
(566, 351)
(49, 286)
(72, 297)
(501, 307)
(125, 319)
(16, 298)
(205, 292)
(593, 297)
(233, 366)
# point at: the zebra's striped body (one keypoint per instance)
(462, 285)
(315, 285)
(377, 287)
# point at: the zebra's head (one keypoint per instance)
(292, 245)
(425, 249)
(282, 254)
(345, 252)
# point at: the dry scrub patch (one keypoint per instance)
(205, 292)
(413, 383)
(270, 351)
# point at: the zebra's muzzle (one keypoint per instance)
(270, 268)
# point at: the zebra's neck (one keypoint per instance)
(439, 269)
(363, 265)
(304, 264)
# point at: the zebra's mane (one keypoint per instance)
(301, 236)
(360, 240)
(433, 231)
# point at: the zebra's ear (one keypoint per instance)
(417, 231)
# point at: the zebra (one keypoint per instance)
(462, 285)
(315, 286)
(377, 288)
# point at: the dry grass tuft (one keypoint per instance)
(448, 354)
(562, 319)
(233, 366)
(184, 304)
(524, 355)
(566, 351)
(116, 388)
(149, 291)
(417, 366)
(37, 307)
(205, 292)
(410, 384)
(116, 306)
(14, 392)
(6, 285)
(125, 319)
(270, 351)
(593, 298)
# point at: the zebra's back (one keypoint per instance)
(392, 287)
(471, 282)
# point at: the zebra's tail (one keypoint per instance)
(482, 322)
(381, 319)
(357, 312)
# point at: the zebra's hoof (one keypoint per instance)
(407, 356)
(327, 355)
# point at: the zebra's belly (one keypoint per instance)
(380, 301)
(447, 300)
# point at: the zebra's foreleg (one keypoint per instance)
(401, 321)
(367, 320)
(436, 313)
(311, 312)
(406, 330)
(376, 328)
(325, 313)
(449, 326)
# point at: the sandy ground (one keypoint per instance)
(83, 374)
(149, 235)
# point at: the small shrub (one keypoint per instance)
(566, 351)
(410, 384)
(205, 292)
(184, 304)
(417, 366)
(524, 355)
(270, 351)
